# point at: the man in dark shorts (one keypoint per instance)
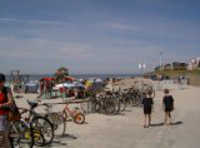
(168, 104)
(147, 108)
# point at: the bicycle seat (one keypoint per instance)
(32, 104)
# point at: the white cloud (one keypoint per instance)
(122, 26)
(78, 56)
(95, 49)
(39, 22)
(39, 48)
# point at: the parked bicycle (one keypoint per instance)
(104, 103)
(76, 115)
(21, 134)
(38, 123)
(59, 119)
(114, 102)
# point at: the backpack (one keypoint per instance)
(13, 111)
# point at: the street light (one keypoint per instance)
(161, 53)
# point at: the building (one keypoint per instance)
(179, 66)
(194, 63)
(173, 66)
(168, 67)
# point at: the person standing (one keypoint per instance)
(6, 99)
(147, 108)
(41, 86)
(168, 104)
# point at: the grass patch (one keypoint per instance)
(193, 75)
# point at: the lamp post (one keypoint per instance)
(161, 53)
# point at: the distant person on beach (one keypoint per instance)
(168, 104)
(6, 99)
(147, 108)
(41, 88)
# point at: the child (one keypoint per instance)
(168, 104)
(147, 107)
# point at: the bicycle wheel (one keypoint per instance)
(20, 135)
(43, 126)
(59, 123)
(118, 105)
(153, 93)
(110, 107)
(79, 118)
(123, 105)
(134, 101)
(97, 107)
(39, 139)
(139, 99)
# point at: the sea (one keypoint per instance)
(35, 77)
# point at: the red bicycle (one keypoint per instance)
(59, 118)
(76, 115)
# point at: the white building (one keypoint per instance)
(194, 63)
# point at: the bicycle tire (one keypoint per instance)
(97, 107)
(59, 122)
(154, 93)
(118, 106)
(123, 105)
(79, 118)
(45, 128)
(18, 141)
(110, 107)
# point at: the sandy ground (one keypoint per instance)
(126, 130)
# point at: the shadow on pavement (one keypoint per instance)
(57, 143)
(119, 114)
(177, 123)
(162, 124)
(85, 123)
(157, 124)
(69, 136)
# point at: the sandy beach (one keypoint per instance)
(126, 130)
(114, 49)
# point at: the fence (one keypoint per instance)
(171, 84)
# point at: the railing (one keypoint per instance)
(171, 84)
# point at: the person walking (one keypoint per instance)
(147, 108)
(168, 104)
(6, 99)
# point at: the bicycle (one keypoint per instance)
(104, 103)
(76, 115)
(21, 134)
(131, 97)
(57, 118)
(39, 123)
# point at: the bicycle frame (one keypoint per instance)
(68, 111)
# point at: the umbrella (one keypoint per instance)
(47, 79)
(98, 80)
(78, 84)
(68, 85)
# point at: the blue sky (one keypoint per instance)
(96, 36)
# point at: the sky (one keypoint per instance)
(96, 36)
